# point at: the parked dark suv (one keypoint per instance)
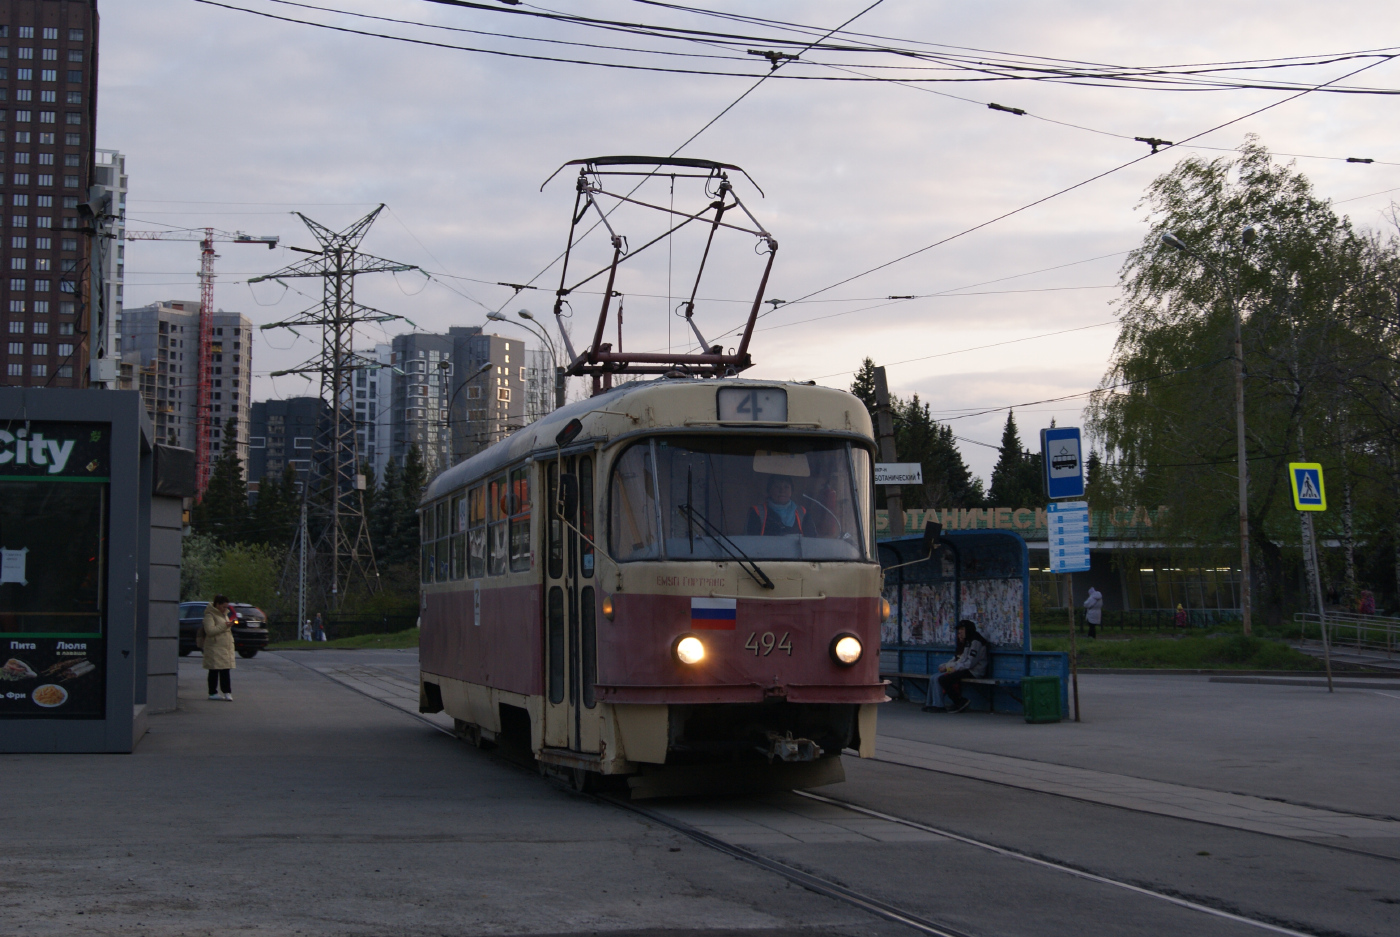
(249, 627)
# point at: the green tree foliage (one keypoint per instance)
(199, 553)
(246, 573)
(1016, 476)
(383, 512)
(1318, 304)
(277, 511)
(393, 516)
(223, 511)
(948, 482)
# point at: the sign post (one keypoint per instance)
(884, 431)
(1309, 496)
(1063, 470)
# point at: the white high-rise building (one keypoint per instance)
(161, 342)
(110, 171)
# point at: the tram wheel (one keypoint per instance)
(583, 780)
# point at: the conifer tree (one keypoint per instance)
(223, 511)
(1016, 476)
(384, 510)
(277, 511)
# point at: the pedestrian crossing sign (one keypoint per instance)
(1308, 493)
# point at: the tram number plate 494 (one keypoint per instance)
(765, 643)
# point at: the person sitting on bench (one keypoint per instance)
(970, 659)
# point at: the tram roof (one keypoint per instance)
(539, 435)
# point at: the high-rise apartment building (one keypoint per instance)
(372, 407)
(420, 387)
(110, 171)
(443, 401)
(285, 432)
(48, 73)
(163, 338)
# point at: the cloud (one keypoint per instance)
(233, 121)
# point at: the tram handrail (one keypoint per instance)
(1360, 632)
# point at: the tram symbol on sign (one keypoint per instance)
(1064, 459)
(1309, 492)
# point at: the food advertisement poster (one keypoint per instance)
(52, 678)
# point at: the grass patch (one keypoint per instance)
(397, 639)
(1193, 652)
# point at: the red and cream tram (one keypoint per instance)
(676, 572)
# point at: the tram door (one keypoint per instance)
(570, 619)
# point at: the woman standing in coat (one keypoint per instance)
(218, 647)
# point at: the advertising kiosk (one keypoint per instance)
(75, 501)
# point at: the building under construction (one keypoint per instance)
(160, 344)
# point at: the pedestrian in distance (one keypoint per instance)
(1093, 611)
(318, 629)
(971, 656)
(1181, 618)
(218, 648)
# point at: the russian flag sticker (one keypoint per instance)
(714, 614)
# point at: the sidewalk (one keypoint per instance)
(1297, 744)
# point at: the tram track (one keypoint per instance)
(860, 900)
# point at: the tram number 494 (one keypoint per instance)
(767, 642)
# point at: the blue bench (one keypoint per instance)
(912, 671)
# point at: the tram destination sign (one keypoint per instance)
(751, 404)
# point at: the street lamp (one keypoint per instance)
(1251, 232)
(537, 330)
(447, 413)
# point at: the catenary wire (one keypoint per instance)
(1082, 81)
(959, 351)
(1070, 188)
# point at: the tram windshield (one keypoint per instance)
(771, 498)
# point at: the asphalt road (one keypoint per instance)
(307, 807)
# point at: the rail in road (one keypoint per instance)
(743, 828)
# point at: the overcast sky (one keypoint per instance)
(233, 120)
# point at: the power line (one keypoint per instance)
(1010, 341)
(1077, 185)
(691, 139)
(1117, 78)
(1086, 393)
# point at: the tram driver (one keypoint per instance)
(779, 515)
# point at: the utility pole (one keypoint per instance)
(1251, 232)
(344, 540)
(301, 569)
(884, 429)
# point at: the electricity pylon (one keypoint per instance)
(340, 553)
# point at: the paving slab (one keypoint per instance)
(305, 808)
(1297, 744)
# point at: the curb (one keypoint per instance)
(1340, 683)
(1148, 672)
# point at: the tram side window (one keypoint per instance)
(476, 531)
(519, 520)
(428, 560)
(585, 513)
(459, 536)
(498, 534)
(444, 542)
(632, 500)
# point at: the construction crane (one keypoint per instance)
(207, 238)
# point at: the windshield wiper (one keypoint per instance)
(728, 546)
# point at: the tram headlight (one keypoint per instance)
(688, 649)
(608, 609)
(846, 649)
(886, 610)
